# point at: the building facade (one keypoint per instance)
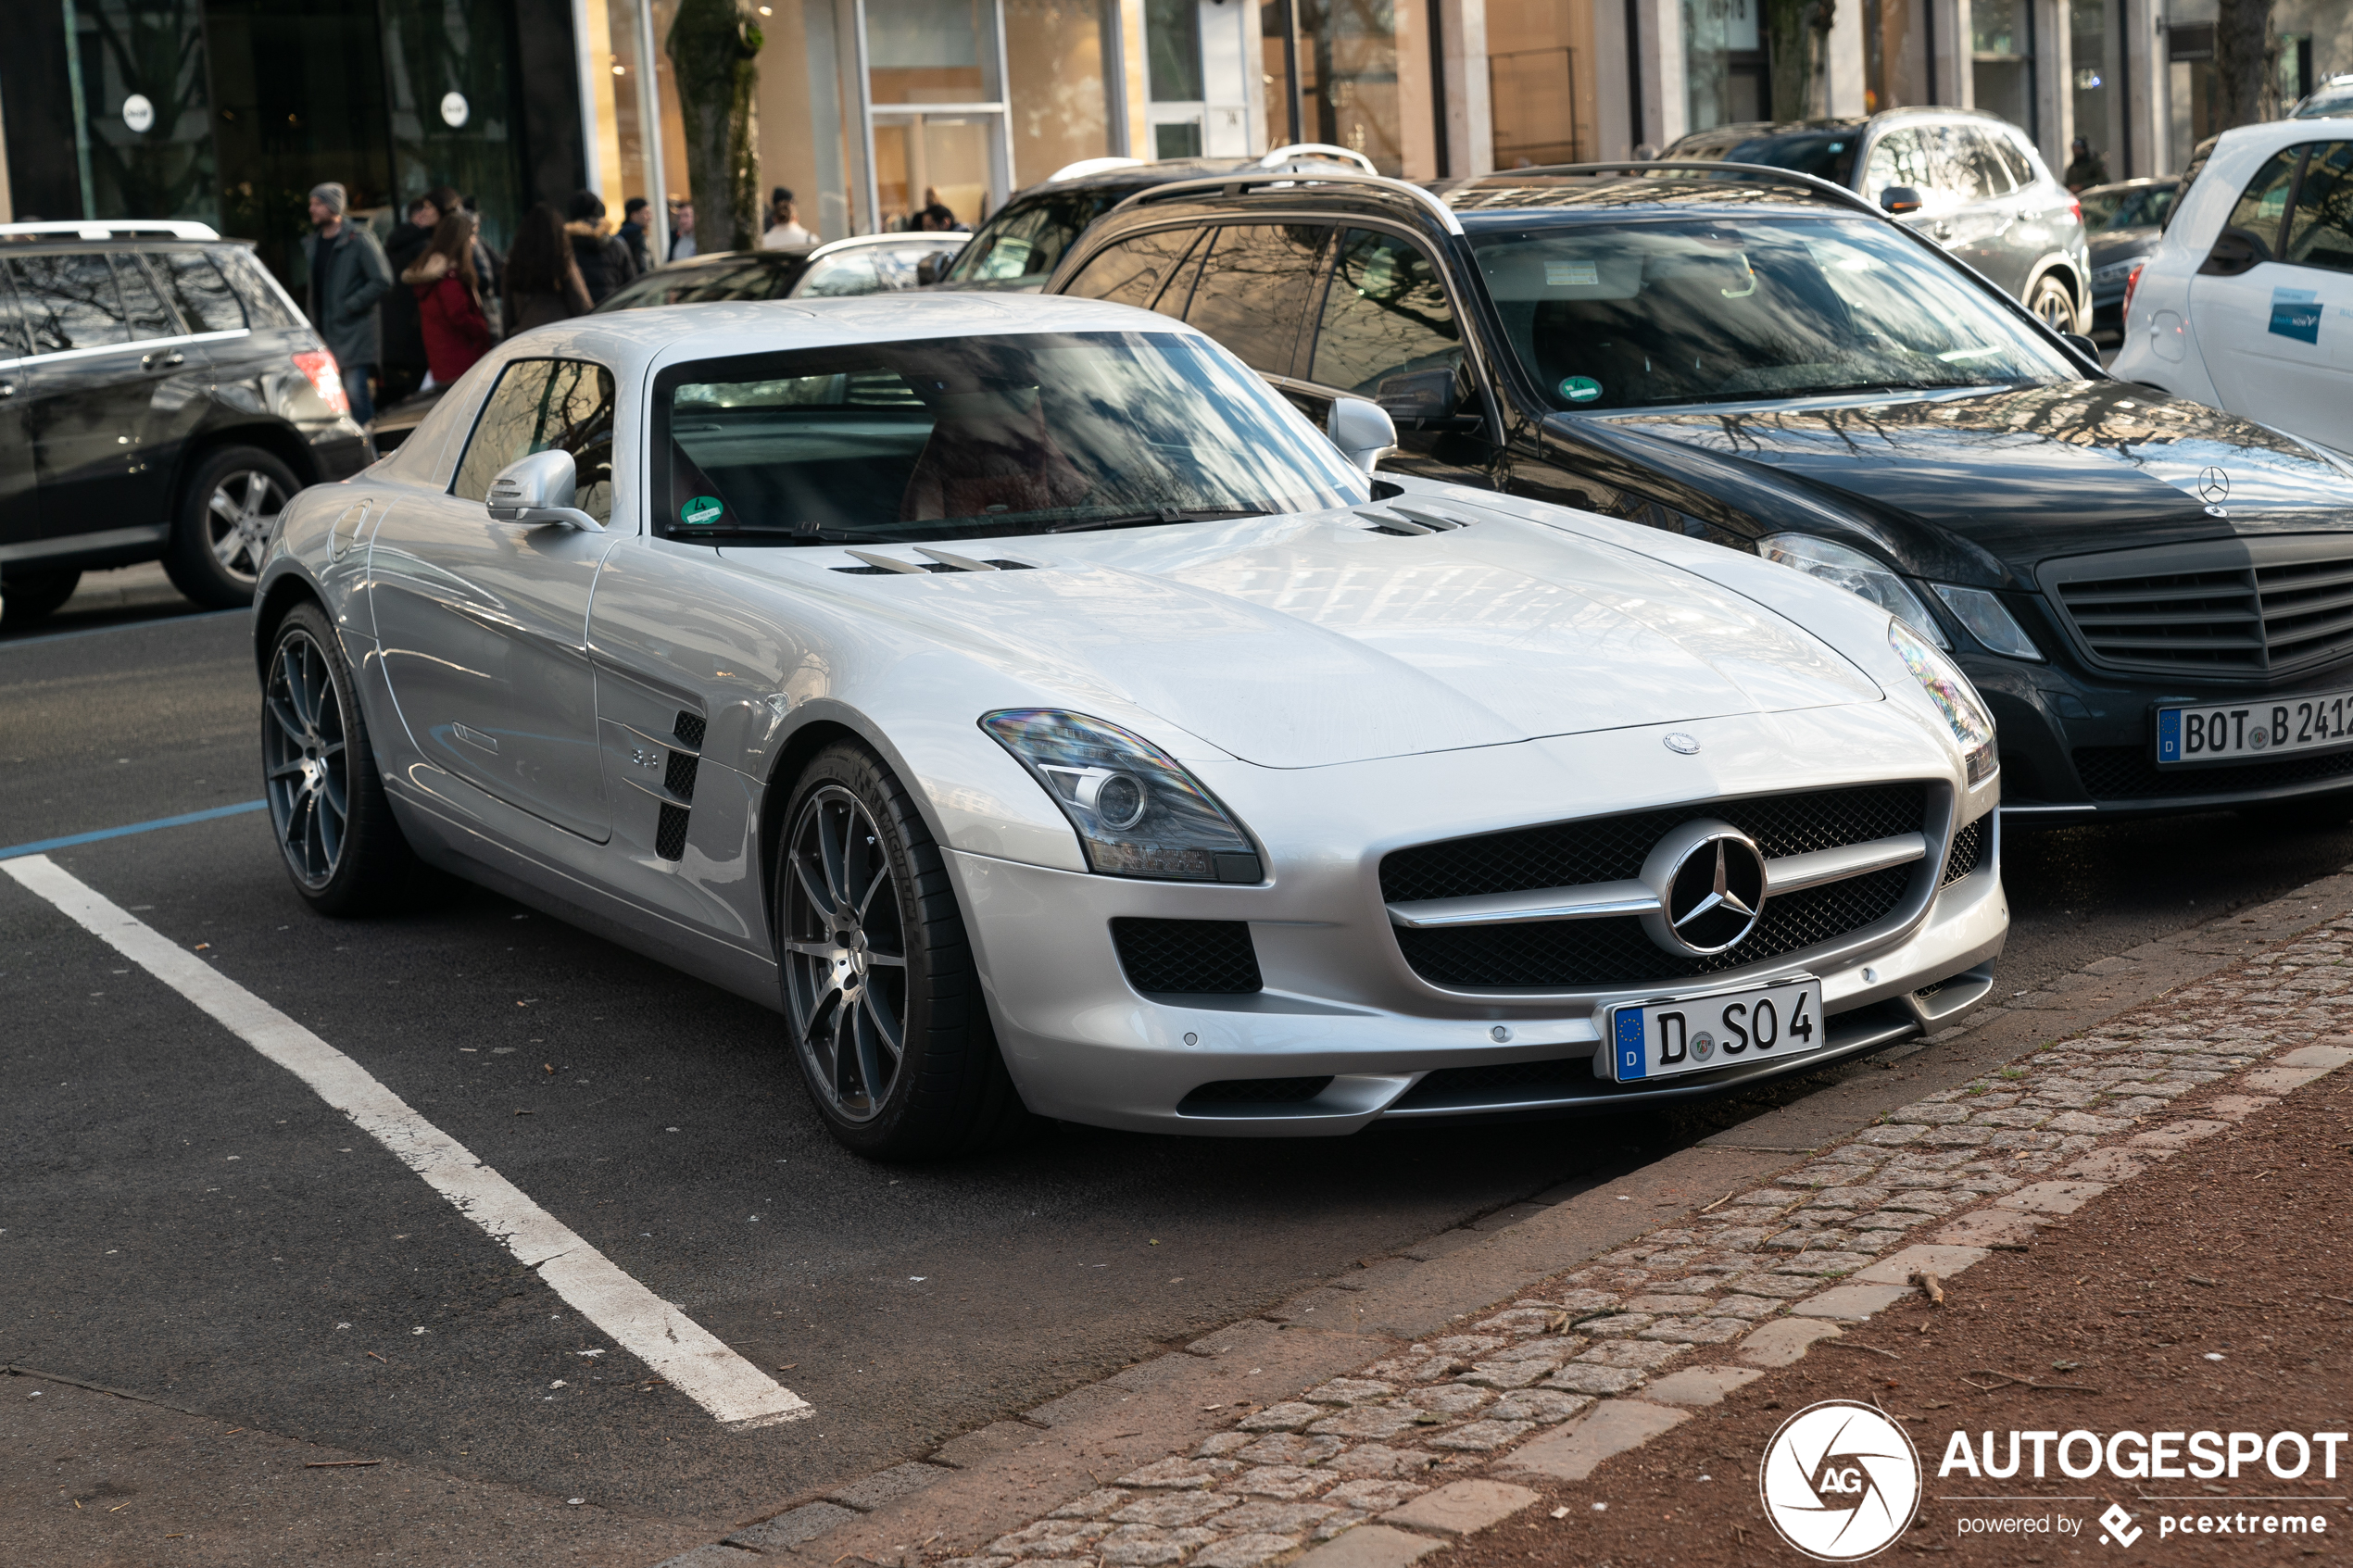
(229, 110)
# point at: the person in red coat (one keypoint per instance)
(449, 301)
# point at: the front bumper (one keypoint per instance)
(1341, 1003)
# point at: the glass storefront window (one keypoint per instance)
(1724, 65)
(922, 160)
(1364, 81)
(452, 119)
(144, 136)
(2002, 59)
(1054, 54)
(930, 51)
(2099, 108)
(1540, 76)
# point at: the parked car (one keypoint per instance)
(1017, 249)
(1028, 704)
(1971, 181)
(160, 397)
(2247, 302)
(2333, 96)
(1758, 359)
(2124, 221)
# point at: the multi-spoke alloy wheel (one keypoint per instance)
(306, 767)
(845, 954)
(240, 516)
(229, 519)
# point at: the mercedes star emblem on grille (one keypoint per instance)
(1678, 741)
(1710, 880)
(2214, 486)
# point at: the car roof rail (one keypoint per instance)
(1281, 155)
(1693, 165)
(124, 228)
(1237, 185)
(1086, 166)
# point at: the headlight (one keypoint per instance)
(1137, 811)
(1855, 573)
(1989, 620)
(1953, 696)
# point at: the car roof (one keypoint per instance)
(85, 231)
(2271, 135)
(944, 238)
(1754, 129)
(1137, 174)
(2139, 181)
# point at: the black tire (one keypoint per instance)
(2050, 300)
(333, 826)
(228, 515)
(869, 940)
(2320, 814)
(24, 599)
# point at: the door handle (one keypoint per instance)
(8, 389)
(1941, 230)
(165, 360)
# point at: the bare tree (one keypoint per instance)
(2246, 55)
(714, 48)
(1796, 32)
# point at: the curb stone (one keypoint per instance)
(1457, 1399)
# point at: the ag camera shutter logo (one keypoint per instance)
(1840, 1481)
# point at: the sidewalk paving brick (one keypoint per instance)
(1612, 1427)
(1461, 1507)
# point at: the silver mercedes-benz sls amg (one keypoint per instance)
(1028, 704)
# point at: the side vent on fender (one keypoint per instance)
(678, 771)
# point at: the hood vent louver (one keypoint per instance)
(1409, 521)
(887, 566)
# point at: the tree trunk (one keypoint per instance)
(1794, 30)
(713, 47)
(2245, 64)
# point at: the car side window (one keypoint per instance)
(16, 338)
(2321, 233)
(541, 405)
(1387, 330)
(2013, 158)
(206, 301)
(1133, 270)
(847, 272)
(1900, 158)
(69, 301)
(2263, 204)
(144, 309)
(260, 298)
(1254, 290)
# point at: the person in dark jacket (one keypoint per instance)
(543, 276)
(348, 274)
(604, 261)
(404, 364)
(635, 213)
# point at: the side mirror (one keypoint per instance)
(2234, 251)
(538, 491)
(1899, 200)
(927, 271)
(1362, 431)
(1422, 394)
(2082, 345)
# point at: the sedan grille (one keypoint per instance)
(2125, 772)
(2239, 605)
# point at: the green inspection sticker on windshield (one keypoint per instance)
(700, 510)
(1581, 389)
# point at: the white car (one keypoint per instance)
(2246, 303)
(1026, 701)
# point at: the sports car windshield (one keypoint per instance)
(979, 436)
(1697, 310)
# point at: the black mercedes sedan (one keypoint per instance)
(2154, 598)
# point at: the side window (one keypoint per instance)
(1898, 158)
(16, 335)
(847, 272)
(263, 306)
(1254, 290)
(1974, 170)
(2013, 158)
(540, 404)
(206, 301)
(68, 301)
(2264, 202)
(2321, 234)
(1133, 270)
(143, 308)
(1388, 332)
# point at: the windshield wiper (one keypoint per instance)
(1164, 514)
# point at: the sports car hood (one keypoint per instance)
(1300, 641)
(2025, 472)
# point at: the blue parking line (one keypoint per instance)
(43, 845)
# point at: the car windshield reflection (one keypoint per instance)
(1640, 314)
(973, 438)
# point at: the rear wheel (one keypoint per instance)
(228, 515)
(2050, 300)
(29, 598)
(335, 827)
(887, 1020)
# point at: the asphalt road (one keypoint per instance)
(180, 1218)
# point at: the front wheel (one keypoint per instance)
(2050, 300)
(888, 1023)
(335, 827)
(228, 515)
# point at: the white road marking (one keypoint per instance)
(680, 1351)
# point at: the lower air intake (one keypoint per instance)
(1197, 958)
(1253, 1091)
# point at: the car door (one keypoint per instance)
(2267, 326)
(483, 625)
(1983, 207)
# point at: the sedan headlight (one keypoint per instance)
(1989, 620)
(1855, 573)
(1137, 811)
(1953, 696)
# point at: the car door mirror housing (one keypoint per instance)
(1362, 431)
(1900, 200)
(2234, 251)
(1420, 395)
(537, 490)
(2082, 345)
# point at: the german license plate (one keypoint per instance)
(1661, 1037)
(2239, 730)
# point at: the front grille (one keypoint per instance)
(2248, 606)
(1613, 848)
(1970, 848)
(1514, 1080)
(1187, 957)
(2125, 772)
(1254, 1091)
(1566, 954)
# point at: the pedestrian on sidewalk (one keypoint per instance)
(2085, 168)
(448, 291)
(637, 213)
(603, 260)
(785, 231)
(542, 279)
(403, 367)
(348, 274)
(681, 229)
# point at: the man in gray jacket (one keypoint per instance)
(348, 274)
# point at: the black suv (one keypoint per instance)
(1969, 179)
(2154, 598)
(159, 396)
